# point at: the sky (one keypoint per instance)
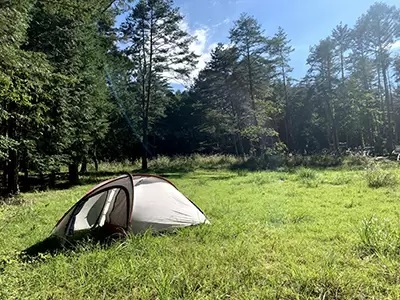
(305, 22)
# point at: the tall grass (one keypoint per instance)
(272, 237)
(379, 237)
(220, 161)
(307, 174)
(193, 162)
(166, 164)
(377, 178)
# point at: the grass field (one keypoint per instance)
(302, 234)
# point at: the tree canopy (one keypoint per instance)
(76, 86)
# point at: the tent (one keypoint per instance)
(130, 203)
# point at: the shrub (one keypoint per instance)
(379, 237)
(377, 178)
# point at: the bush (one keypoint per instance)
(379, 237)
(377, 178)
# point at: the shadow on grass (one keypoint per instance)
(50, 245)
(54, 245)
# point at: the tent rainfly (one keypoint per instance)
(130, 203)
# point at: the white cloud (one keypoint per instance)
(395, 45)
(199, 46)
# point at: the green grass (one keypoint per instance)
(275, 235)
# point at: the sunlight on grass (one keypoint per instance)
(272, 236)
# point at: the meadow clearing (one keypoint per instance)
(290, 234)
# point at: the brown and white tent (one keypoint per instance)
(131, 203)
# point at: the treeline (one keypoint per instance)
(75, 88)
(349, 98)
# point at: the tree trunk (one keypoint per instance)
(73, 173)
(144, 146)
(145, 124)
(96, 162)
(12, 166)
(27, 185)
(251, 88)
(380, 92)
(335, 136)
(52, 182)
(4, 178)
(84, 165)
(12, 174)
(42, 181)
(389, 144)
(285, 91)
(331, 109)
(235, 145)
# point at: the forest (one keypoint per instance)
(77, 87)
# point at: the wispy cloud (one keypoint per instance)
(224, 22)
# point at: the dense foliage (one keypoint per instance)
(77, 86)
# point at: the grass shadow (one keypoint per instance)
(53, 245)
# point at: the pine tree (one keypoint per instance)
(219, 88)
(159, 50)
(280, 50)
(383, 28)
(252, 46)
(323, 68)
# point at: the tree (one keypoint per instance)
(383, 28)
(360, 90)
(280, 50)
(341, 37)
(23, 77)
(159, 49)
(75, 42)
(252, 46)
(322, 67)
(219, 88)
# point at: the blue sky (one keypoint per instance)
(305, 21)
